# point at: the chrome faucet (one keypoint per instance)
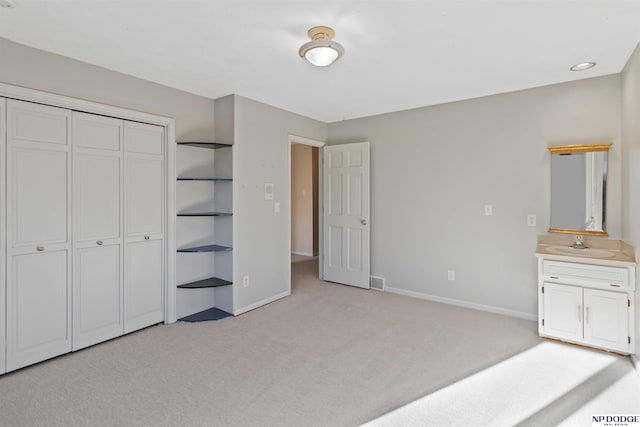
(578, 243)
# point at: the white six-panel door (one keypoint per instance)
(98, 234)
(38, 233)
(144, 219)
(346, 229)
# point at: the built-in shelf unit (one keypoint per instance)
(217, 280)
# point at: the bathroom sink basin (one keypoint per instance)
(588, 252)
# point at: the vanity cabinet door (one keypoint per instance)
(563, 311)
(606, 322)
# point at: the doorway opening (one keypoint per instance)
(305, 221)
(304, 207)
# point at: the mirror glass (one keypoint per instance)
(578, 192)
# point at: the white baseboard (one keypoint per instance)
(465, 304)
(302, 253)
(261, 303)
(635, 359)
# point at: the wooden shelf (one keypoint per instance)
(206, 248)
(211, 282)
(210, 145)
(193, 214)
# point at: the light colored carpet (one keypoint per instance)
(329, 355)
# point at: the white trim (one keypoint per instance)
(170, 310)
(465, 304)
(168, 123)
(295, 139)
(261, 303)
(635, 360)
(302, 253)
(3, 289)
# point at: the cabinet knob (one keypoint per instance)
(146, 237)
(99, 242)
(40, 248)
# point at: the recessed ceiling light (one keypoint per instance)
(583, 66)
(321, 50)
(9, 4)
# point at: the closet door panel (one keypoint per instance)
(97, 132)
(144, 225)
(144, 139)
(145, 201)
(39, 196)
(38, 233)
(97, 297)
(38, 312)
(98, 203)
(144, 284)
(29, 122)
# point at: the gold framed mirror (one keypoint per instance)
(579, 188)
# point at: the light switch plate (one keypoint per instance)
(488, 210)
(531, 220)
(276, 207)
(268, 191)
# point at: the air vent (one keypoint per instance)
(377, 283)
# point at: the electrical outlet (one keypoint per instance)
(531, 220)
(245, 281)
(488, 210)
(276, 207)
(451, 275)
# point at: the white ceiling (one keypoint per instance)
(399, 54)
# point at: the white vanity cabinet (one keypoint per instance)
(588, 304)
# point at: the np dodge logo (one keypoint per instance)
(615, 420)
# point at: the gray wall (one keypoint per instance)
(262, 237)
(433, 169)
(36, 69)
(631, 164)
(194, 117)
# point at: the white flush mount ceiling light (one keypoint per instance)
(583, 66)
(321, 50)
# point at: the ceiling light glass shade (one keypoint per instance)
(583, 66)
(321, 52)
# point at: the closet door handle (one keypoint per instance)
(363, 221)
(99, 242)
(40, 248)
(579, 313)
(146, 237)
(586, 309)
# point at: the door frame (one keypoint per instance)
(3, 307)
(40, 97)
(295, 139)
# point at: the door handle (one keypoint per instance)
(363, 221)
(586, 314)
(146, 237)
(99, 242)
(40, 248)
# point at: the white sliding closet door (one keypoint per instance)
(98, 237)
(38, 233)
(144, 225)
(3, 316)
